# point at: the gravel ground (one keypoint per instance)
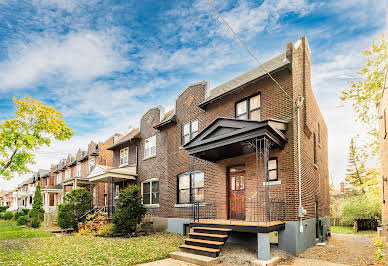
(341, 248)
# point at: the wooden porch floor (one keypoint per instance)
(242, 226)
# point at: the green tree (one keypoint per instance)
(129, 211)
(34, 125)
(365, 92)
(355, 170)
(36, 214)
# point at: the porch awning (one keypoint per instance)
(226, 137)
(55, 188)
(103, 173)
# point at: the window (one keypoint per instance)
(59, 178)
(117, 191)
(124, 156)
(315, 148)
(92, 163)
(249, 108)
(273, 169)
(191, 187)
(79, 170)
(150, 192)
(150, 147)
(189, 130)
(67, 173)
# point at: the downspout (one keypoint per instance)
(299, 103)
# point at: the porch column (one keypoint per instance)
(109, 198)
(75, 183)
(113, 193)
(46, 201)
(91, 192)
(263, 246)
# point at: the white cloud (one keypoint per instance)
(75, 57)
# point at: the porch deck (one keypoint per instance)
(241, 226)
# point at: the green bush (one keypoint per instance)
(76, 204)
(7, 215)
(22, 220)
(3, 208)
(18, 214)
(35, 221)
(26, 211)
(65, 218)
(129, 211)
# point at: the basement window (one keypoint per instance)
(273, 169)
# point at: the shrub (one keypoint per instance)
(26, 211)
(129, 211)
(36, 214)
(77, 203)
(7, 215)
(65, 219)
(3, 208)
(17, 215)
(22, 220)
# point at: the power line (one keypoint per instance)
(247, 48)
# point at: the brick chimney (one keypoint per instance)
(342, 187)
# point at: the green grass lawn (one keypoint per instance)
(349, 230)
(87, 250)
(9, 230)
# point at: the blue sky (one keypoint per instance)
(103, 63)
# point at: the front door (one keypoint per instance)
(236, 195)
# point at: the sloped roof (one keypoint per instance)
(134, 133)
(168, 117)
(271, 65)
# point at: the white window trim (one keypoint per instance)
(150, 205)
(124, 163)
(78, 170)
(89, 163)
(271, 183)
(145, 142)
(59, 175)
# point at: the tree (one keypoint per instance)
(36, 214)
(76, 204)
(355, 170)
(34, 125)
(129, 211)
(366, 92)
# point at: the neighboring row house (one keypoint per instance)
(224, 158)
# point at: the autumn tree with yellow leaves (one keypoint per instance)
(35, 125)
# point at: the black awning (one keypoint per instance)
(226, 138)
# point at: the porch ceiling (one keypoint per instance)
(225, 137)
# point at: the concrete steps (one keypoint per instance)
(194, 258)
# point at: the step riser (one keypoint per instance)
(205, 231)
(209, 238)
(212, 225)
(200, 252)
(205, 245)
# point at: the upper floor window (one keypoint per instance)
(150, 147)
(67, 173)
(189, 130)
(92, 163)
(273, 169)
(249, 108)
(191, 187)
(59, 178)
(150, 191)
(124, 156)
(78, 170)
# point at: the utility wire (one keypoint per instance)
(247, 48)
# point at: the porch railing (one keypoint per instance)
(200, 211)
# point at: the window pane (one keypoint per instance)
(155, 186)
(184, 196)
(199, 194)
(186, 138)
(254, 102)
(241, 182)
(255, 115)
(241, 108)
(198, 180)
(233, 183)
(153, 150)
(194, 126)
(271, 164)
(245, 116)
(186, 128)
(237, 183)
(194, 134)
(273, 175)
(153, 141)
(184, 182)
(146, 187)
(155, 198)
(146, 198)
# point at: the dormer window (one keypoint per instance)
(124, 156)
(249, 108)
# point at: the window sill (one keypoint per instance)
(122, 165)
(151, 206)
(272, 183)
(150, 157)
(315, 166)
(187, 205)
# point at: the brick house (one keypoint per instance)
(228, 157)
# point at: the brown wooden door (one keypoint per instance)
(236, 195)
